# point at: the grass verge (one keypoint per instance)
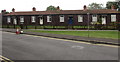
(97, 34)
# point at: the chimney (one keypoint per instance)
(113, 7)
(58, 8)
(34, 9)
(85, 7)
(3, 11)
(13, 10)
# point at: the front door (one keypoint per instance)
(41, 20)
(103, 20)
(70, 21)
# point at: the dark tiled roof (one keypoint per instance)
(97, 11)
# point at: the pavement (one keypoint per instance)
(29, 47)
(0, 42)
(70, 37)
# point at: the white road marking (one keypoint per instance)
(78, 47)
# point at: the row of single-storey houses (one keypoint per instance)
(61, 17)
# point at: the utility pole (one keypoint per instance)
(88, 24)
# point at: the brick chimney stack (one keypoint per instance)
(58, 8)
(3, 11)
(13, 10)
(85, 7)
(34, 9)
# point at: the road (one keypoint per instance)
(29, 47)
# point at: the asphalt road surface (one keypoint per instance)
(29, 47)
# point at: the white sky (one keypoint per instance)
(41, 5)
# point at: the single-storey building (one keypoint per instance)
(59, 17)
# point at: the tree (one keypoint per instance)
(95, 6)
(119, 6)
(109, 5)
(51, 8)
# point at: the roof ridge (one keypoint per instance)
(64, 12)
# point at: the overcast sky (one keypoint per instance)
(26, 5)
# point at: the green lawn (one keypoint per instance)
(98, 34)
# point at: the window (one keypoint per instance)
(15, 21)
(21, 19)
(61, 18)
(8, 19)
(80, 18)
(49, 18)
(33, 19)
(113, 18)
(94, 18)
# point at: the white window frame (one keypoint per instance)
(21, 19)
(8, 19)
(80, 18)
(61, 18)
(49, 18)
(94, 18)
(113, 18)
(15, 21)
(33, 19)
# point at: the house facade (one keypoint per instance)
(62, 17)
